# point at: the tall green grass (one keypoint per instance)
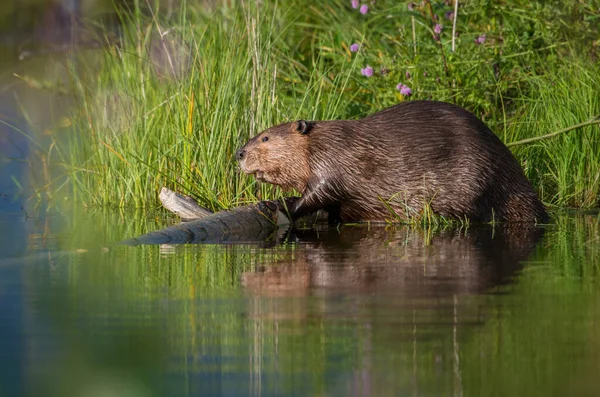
(173, 101)
(565, 168)
(149, 130)
(143, 125)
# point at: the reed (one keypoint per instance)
(170, 105)
(564, 167)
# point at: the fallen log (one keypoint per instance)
(250, 223)
(184, 206)
(263, 222)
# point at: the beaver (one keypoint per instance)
(399, 159)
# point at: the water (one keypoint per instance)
(356, 311)
(352, 311)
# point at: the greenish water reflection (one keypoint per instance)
(358, 311)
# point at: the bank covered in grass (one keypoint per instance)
(173, 100)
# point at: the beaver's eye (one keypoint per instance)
(265, 138)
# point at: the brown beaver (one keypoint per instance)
(403, 157)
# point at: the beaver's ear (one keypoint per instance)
(303, 127)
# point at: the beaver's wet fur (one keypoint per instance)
(410, 155)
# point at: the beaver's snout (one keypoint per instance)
(240, 154)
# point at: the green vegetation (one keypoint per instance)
(170, 105)
(425, 218)
(565, 168)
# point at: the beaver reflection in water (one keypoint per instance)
(395, 261)
(408, 155)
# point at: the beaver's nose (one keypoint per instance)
(239, 155)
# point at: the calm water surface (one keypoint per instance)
(355, 311)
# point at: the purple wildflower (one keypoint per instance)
(368, 71)
(407, 74)
(411, 6)
(404, 90)
(437, 29)
(354, 3)
(449, 15)
(364, 9)
(480, 39)
(354, 47)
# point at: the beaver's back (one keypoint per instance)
(422, 152)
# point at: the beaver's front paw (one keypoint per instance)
(286, 205)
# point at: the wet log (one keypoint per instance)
(264, 222)
(250, 223)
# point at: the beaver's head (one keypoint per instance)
(279, 155)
